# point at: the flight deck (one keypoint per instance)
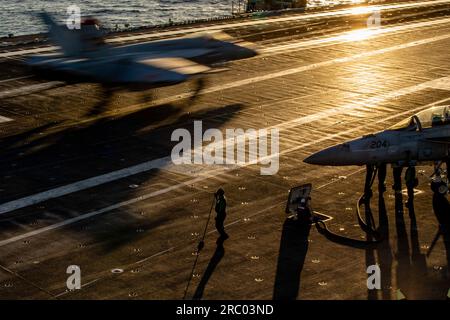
(88, 179)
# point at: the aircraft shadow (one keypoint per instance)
(291, 258)
(102, 142)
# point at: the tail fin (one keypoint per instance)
(48, 20)
(69, 40)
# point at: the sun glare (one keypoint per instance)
(358, 35)
(360, 10)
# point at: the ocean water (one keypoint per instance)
(18, 17)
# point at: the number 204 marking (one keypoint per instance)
(378, 144)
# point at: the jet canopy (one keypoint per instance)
(428, 118)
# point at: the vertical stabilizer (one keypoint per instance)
(70, 41)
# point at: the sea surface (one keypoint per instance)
(18, 17)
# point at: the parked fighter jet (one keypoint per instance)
(424, 137)
(86, 56)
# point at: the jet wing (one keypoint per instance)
(150, 71)
(153, 50)
(48, 60)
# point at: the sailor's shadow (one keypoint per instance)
(418, 260)
(411, 263)
(291, 258)
(441, 208)
(381, 254)
(383, 251)
(215, 259)
(403, 250)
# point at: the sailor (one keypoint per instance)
(411, 182)
(447, 164)
(382, 168)
(397, 172)
(447, 115)
(251, 5)
(220, 208)
(367, 186)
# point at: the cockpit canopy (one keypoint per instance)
(428, 118)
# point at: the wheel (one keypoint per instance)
(443, 188)
(439, 186)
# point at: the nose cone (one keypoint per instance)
(333, 156)
(241, 50)
(323, 158)
(247, 50)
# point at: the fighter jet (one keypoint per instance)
(85, 56)
(422, 138)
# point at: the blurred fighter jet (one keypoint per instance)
(85, 56)
(424, 137)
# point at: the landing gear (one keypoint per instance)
(439, 181)
(439, 186)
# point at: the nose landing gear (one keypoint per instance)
(439, 180)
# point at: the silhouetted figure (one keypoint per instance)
(411, 183)
(251, 5)
(397, 172)
(382, 168)
(220, 208)
(369, 175)
(218, 255)
(447, 163)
